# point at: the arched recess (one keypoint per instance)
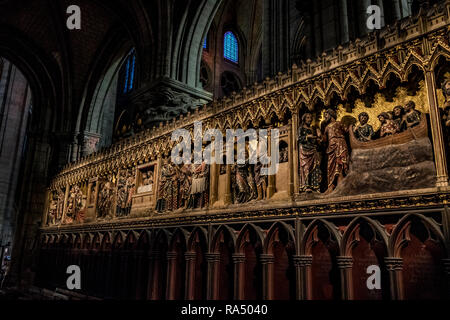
(188, 46)
(223, 244)
(128, 265)
(321, 242)
(157, 285)
(116, 254)
(95, 121)
(177, 266)
(250, 280)
(280, 244)
(198, 271)
(419, 242)
(366, 242)
(142, 266)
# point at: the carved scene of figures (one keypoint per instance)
(76, 205)
(105, 200)
(56, 207)
(125, 190)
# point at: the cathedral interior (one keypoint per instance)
(91, 92)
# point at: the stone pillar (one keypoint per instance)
(171, 274)
(395, 266)
(303, 277)
(271, 188)
(436, 130)
(295, 161)
(238, 261)
(397, 12)
(345, 267)
(109, 276)
(213, 174)
(153, 275)
(190, 275)
(213, 260)
(139, 260)
(123, 274)
(267, 261)
(446, 263)
(228, 186)
(290, 159)
(343, 12)
(362, 19)
(66, 197)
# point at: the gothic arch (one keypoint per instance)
(272, 234)
(197, 231)
(400, 237)
(308, 237)
(349, 239)
(244, 234)
(419, 243)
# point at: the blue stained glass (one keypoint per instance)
(133, 65)
(205, 43)
(127, 73)
(230, 47)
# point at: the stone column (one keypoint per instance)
(238, 261)
(271, 188)
(436, 130)
(446, 263)
(345, 267)
(395, 266)
(153, 275)
(190, 275)
(139, 260)
(267, 261)
(303, 277)
(213, 260)
(295, 161)
(290, 159)
(343, 12)
(213, 174)
(171, 274)
(397, 11)
(109, 276)
(228, 186)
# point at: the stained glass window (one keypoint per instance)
(130, 70)
(230, 47)
(205, 43)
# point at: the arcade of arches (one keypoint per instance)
(363, 117)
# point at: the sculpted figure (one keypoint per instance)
(105, 199)
(244, 186)
(199, 190)
(388, 127)
(364, 131)
(60, 206)
(412, 116)
(185, 179)
(260, 181)
(397, 117)
(147, 182)
(52, 210)
(121, 196)
(74, 204)
(446, 92)
(167, 191)
(337, 150)
(309, 156)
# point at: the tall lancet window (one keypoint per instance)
(230, 47)
(129, 72)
